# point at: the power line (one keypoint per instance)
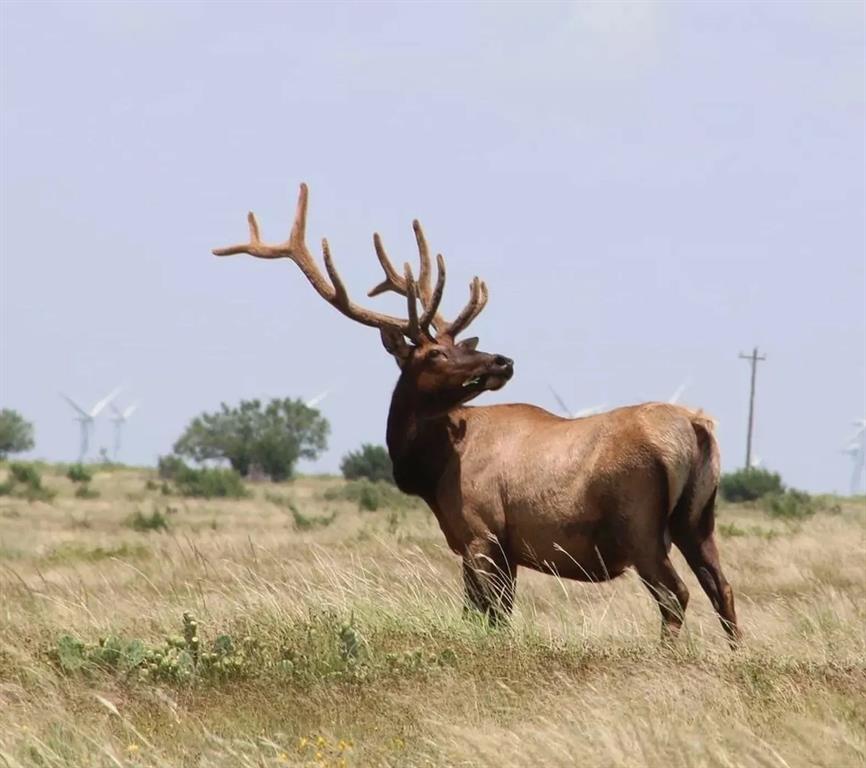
(753, 359)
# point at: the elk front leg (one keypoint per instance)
(490, 580)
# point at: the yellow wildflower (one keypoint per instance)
(132, 748)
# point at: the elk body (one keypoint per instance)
(514, 485)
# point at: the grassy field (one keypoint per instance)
(295, 628)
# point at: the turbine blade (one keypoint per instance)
(314, 401)
(560, 402)
(129, 411)
(75, 405)
(94, 412)
(589, 411)
(678, 392)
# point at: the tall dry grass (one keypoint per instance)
(358, 654)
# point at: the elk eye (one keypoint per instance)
(435, 354)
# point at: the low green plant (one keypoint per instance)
(204, 482)
(307, 522)
(370, 496)
(73, 551)
(146, 522)
(78, 473)
(750, 484)
(84, 491)
(790, 505)
(25, 481)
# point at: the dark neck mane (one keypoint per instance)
(420, 447)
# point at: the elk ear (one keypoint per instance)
(471, 343)
(396, 346)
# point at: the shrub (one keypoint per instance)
(78, 473)
(155, 521)
(25, 474)
(16, 433)
(208, 483)
(205, 482)
(370, 496)
(268, 437)
(167, 467)
(84, 491)
(25, 481)
(370, 461)
(750, 484)
(791, 504)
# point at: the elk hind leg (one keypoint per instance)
(702, 555)
(665, 585)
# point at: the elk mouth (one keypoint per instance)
(487, 381)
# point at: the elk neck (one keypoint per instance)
(420, 445)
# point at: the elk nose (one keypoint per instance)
(500, 361)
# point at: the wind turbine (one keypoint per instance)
(678, 392)
(86, 418)
(119, 419)
(574, 414)
(316, 399)
(856, 449)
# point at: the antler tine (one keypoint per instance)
(477, 301)
(334, 292)
(412, 302)
(424, 258)
(431, 308)
(394, 282)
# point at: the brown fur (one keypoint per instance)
(515, 486)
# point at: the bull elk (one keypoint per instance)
(514, 485)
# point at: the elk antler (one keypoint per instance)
(334, 291)
(430, 298)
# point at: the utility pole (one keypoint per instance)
(753, 359)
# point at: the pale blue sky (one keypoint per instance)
(647, 189)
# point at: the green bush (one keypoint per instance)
(78, 473)
(370, 461)
(370, 496)
(142, 522)
(25, 482)
(167, 467)
(208, 483)
(750, 484)
(16, 433)
(84, 491)
(791, 504)
(205, 482)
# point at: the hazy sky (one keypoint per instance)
(648, 189)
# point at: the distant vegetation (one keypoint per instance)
(257, 437)
(16, 433)
(25, 481)
(369, 461)
(749, 484)
(767, 488)
(204, 482)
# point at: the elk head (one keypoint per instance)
(440, 371)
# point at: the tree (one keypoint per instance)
(270, 438)
(371, 461)
(16, 433)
